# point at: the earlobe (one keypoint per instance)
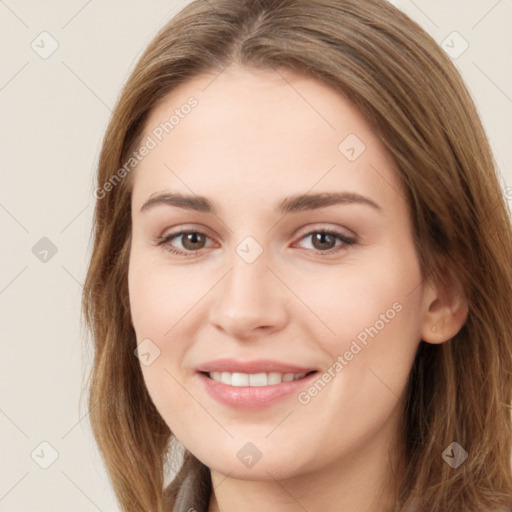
(445, 312)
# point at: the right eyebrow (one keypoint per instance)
(197, 203)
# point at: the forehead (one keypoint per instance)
(258, 133)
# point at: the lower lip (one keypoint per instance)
(252, 397)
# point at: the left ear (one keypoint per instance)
(445, 311)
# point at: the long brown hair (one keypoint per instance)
(410, 91)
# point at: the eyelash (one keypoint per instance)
(347, 241)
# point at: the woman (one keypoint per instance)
(301, 270)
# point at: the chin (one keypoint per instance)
(272, 466)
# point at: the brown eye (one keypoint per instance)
(193, 241)
(323, 241)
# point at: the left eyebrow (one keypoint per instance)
(302, 202)
(291, 204)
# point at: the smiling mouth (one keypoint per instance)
(237, 379)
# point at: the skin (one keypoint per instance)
(255, 137)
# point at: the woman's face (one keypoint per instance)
(257, 295)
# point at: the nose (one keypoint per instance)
(250, 300)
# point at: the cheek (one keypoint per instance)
(387, 332)
(165, 301)
(377, 299)
(373, 313)
(156, 306)
(160, 295)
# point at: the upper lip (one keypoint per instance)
(254, 366)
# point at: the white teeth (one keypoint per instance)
(239, 379)
(274, 378)
(254, 379)
(257, 379)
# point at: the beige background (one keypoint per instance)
(54, 112)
